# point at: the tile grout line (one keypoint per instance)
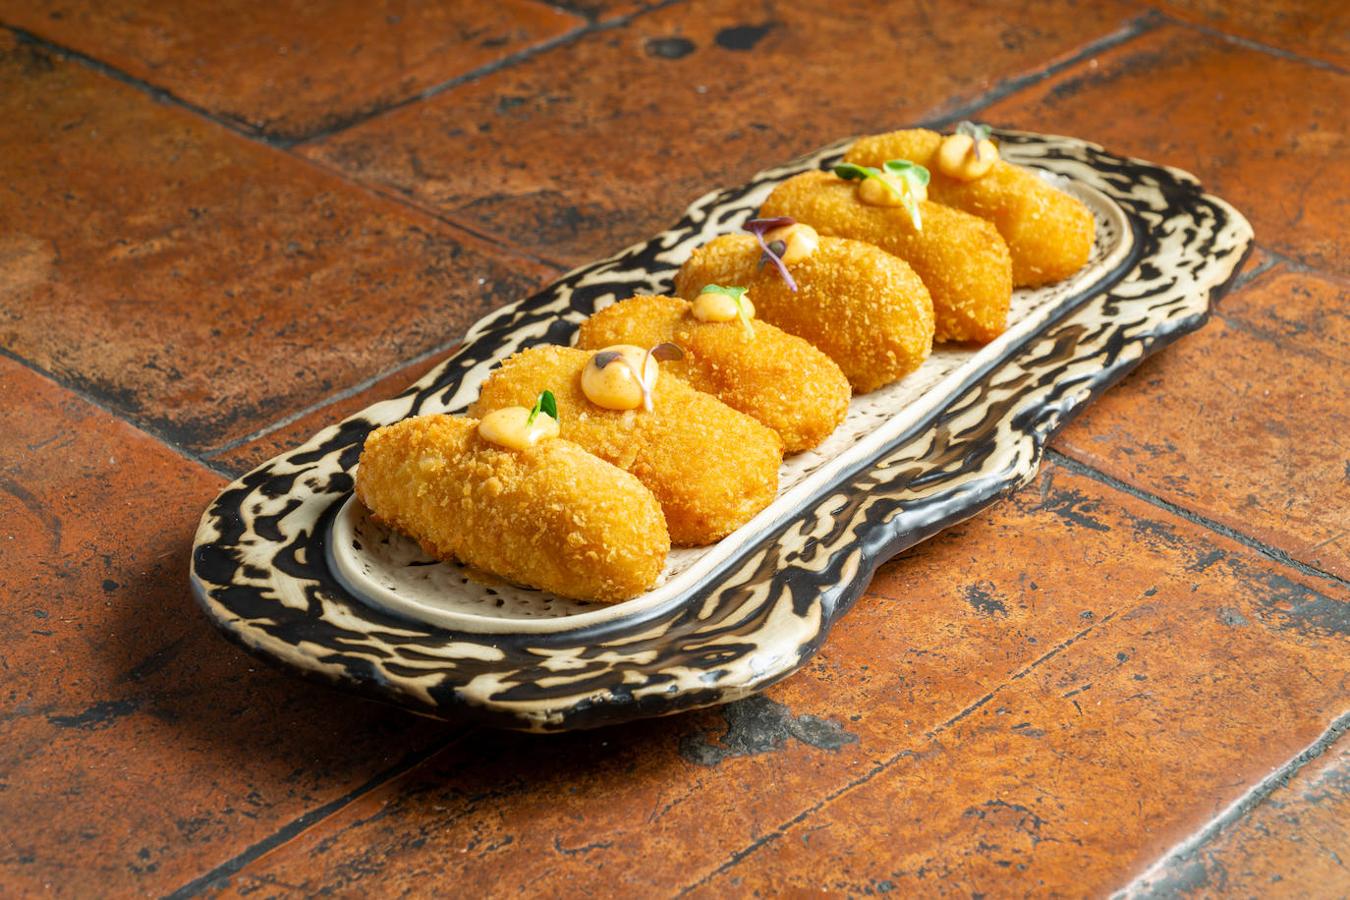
(1248, 43)
(99, 403)
(330, 399)
(511, 59)
(308, 819)
(1272, 553)
(388, 194)
(258, 134)
(1145, 884)
(881, 767)
(1136, 27)
(160, 95)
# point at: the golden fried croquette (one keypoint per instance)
(961, 258)
(1049, 233)
(551, 516)
(711, 468)
(864, 308)
(772, 376)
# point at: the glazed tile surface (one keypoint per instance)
(224, 229)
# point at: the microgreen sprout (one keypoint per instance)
(854, 172)
(975, 132)
(660, 352)
(546, 404)
(913, 176)
(737, 295)
(910, 177)
(758, 227)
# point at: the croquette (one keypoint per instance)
(710, 467)
(961, 258)
(768, 374)
(863, 307)
(550, 516)
(1049, 233)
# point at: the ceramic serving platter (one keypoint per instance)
(288, 564)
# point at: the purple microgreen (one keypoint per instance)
(975, 132)
(668, 351)
(757, 227)
(605, 357)
(546, 404)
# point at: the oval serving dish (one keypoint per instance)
(289, 565)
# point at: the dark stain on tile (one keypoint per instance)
(1071, 506)
(743, 37)
(670, 47)
(760, 725)
(1297, 606)
(99, 715)
(983, 599)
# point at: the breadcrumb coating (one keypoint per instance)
(961, 258)
(551, 516)
(710, 467)
(1049, 233)
(864, 308)
(774, 377)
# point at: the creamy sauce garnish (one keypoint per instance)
(713, 306)
(887, 190)
(958, 157)
(799, 240)
(616, 384)
(510, 427)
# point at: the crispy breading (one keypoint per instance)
(1049, 233)
(864, 308)
(772, 376)
(551, 516)
(711, 468)
(961, 258)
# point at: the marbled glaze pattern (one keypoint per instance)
(260, 567)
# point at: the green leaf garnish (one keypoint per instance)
(734, 293)
(737, 294)
(908, 171)
(911, 176)
(852, 172)
(975, 132)
(547, 405)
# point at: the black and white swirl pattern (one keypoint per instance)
(730, 620)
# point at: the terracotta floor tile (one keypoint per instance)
(255, 452)
(1293, 844)
(138, 749)
(968, 642)
(586, 149)
(198, 282)
(1075, 777)
(1254, 127)
(1312, 28)
(291, 68)
(1244, 421)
